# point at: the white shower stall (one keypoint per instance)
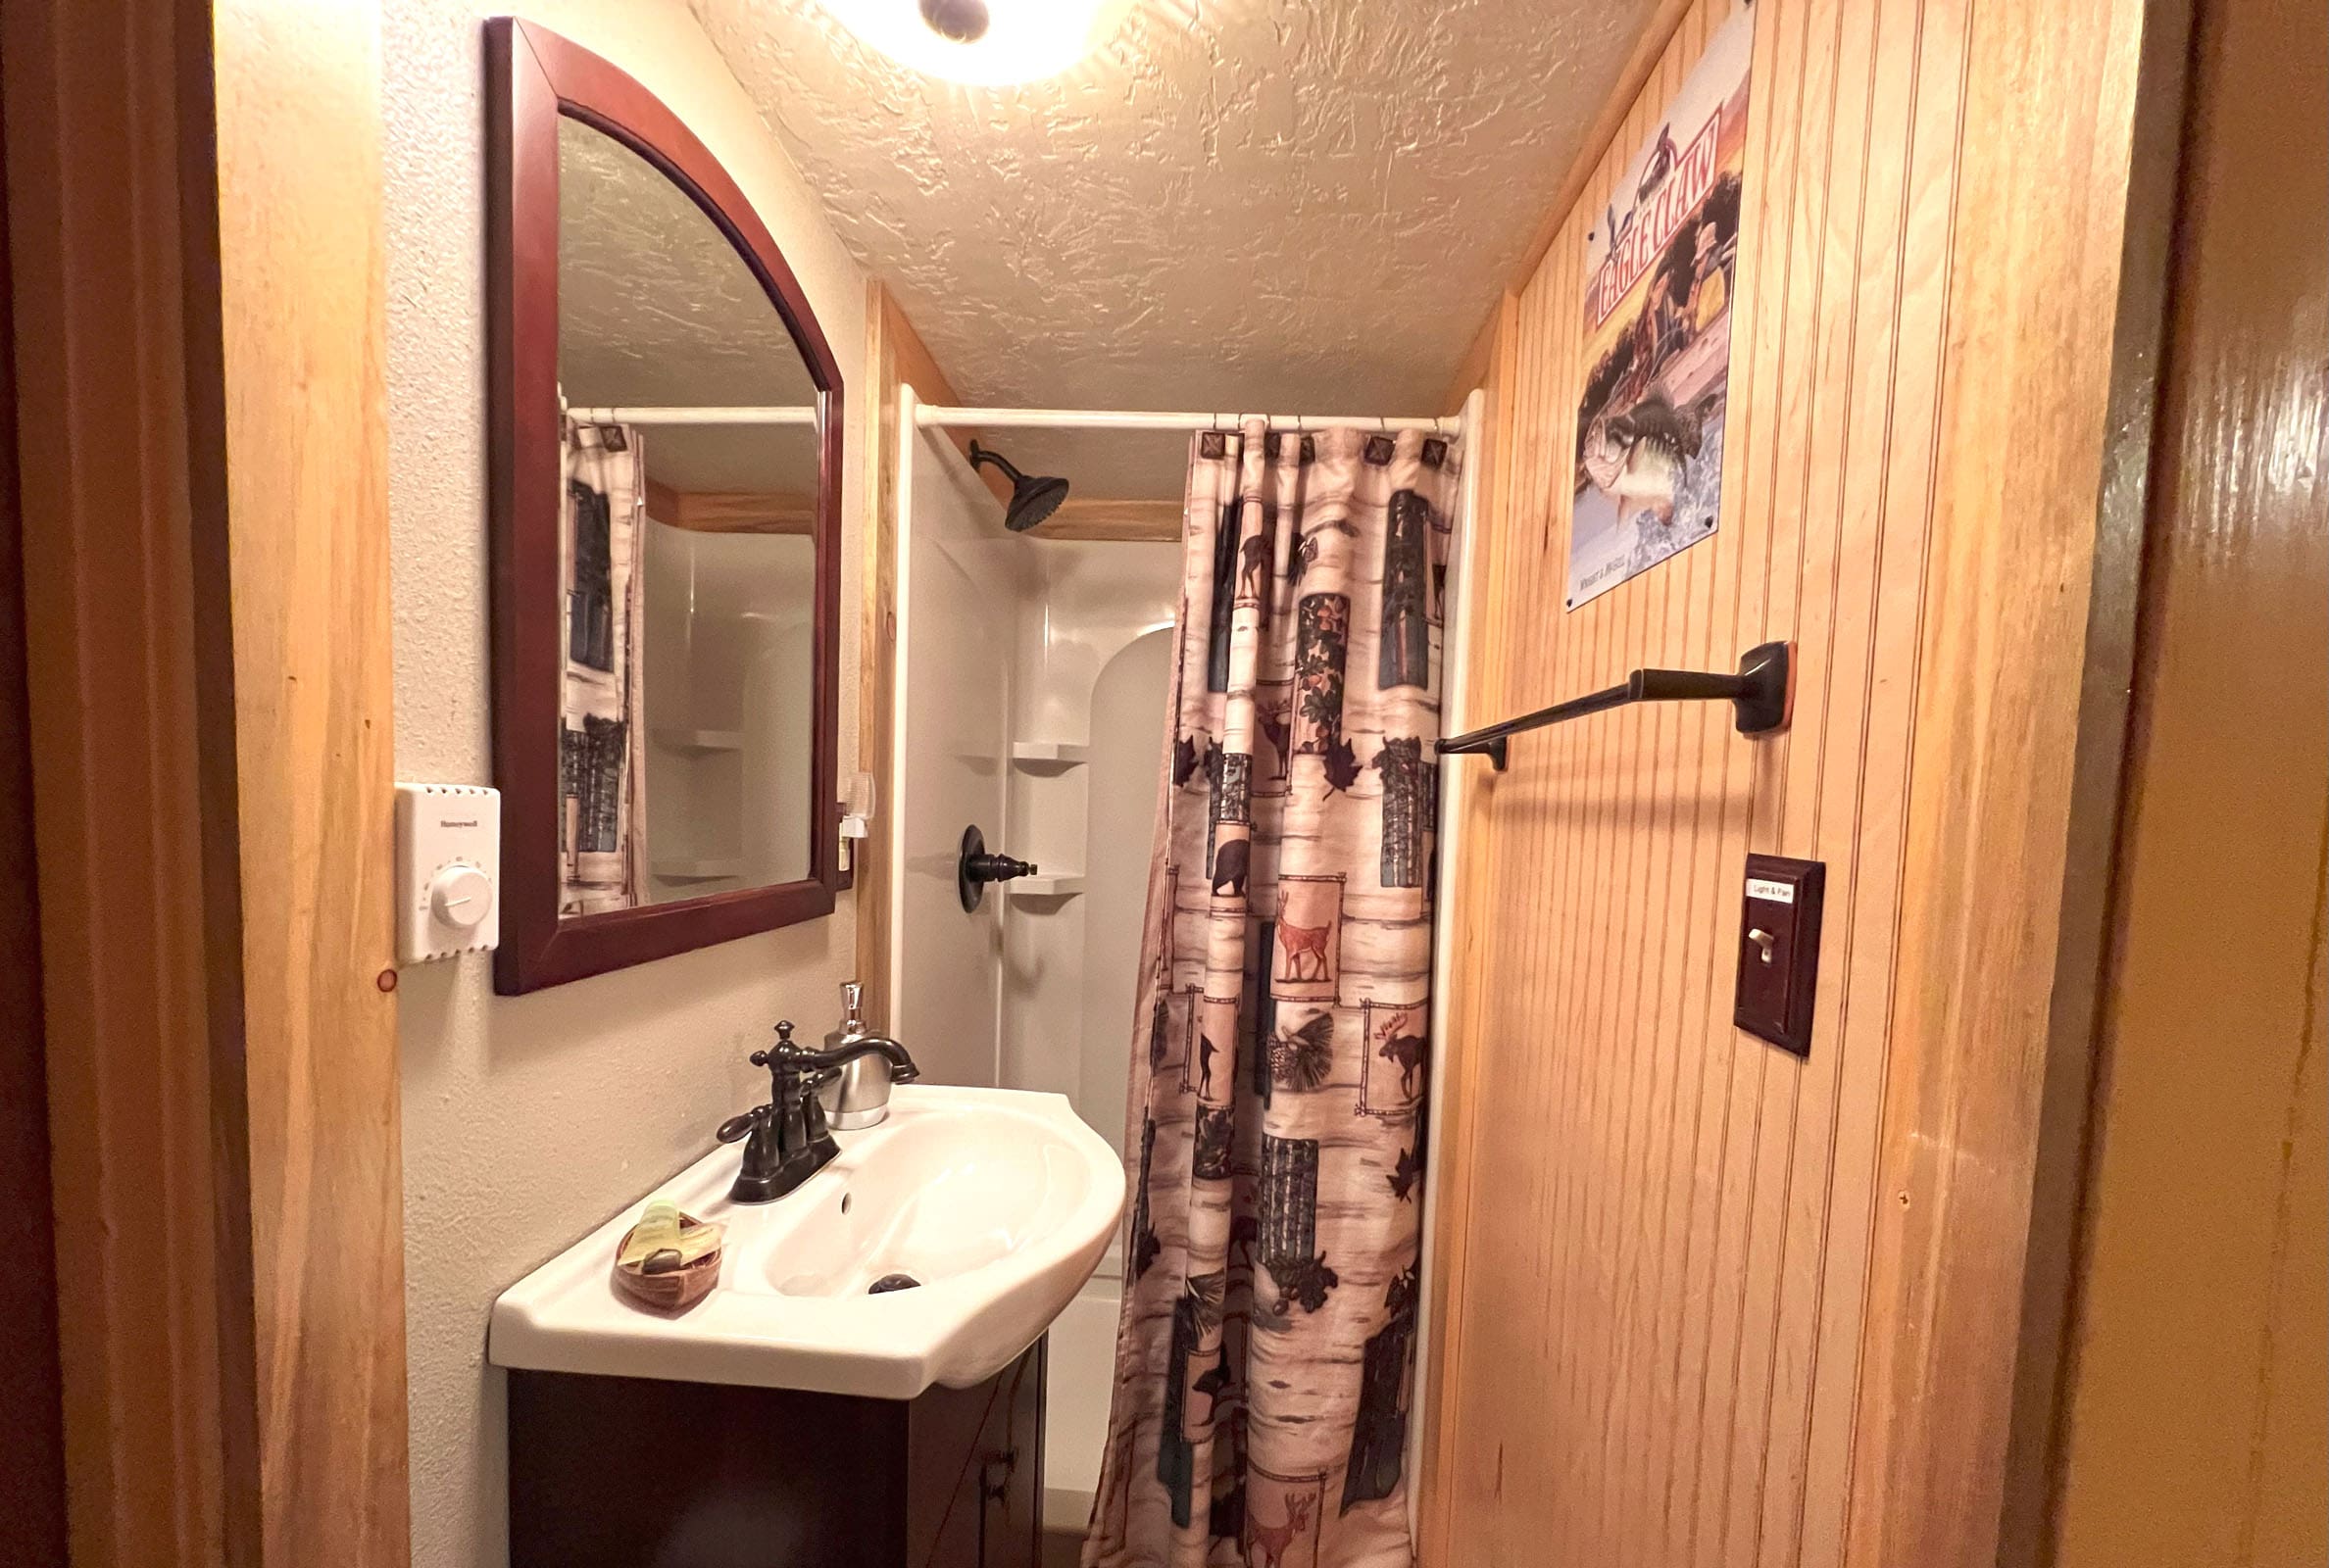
(1033, 679)
(1032, 685)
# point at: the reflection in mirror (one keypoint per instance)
(691, 449)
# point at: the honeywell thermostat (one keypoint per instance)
(448, 870)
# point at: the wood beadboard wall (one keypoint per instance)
(1699, 1302)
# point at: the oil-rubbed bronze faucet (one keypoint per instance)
(786, 1141)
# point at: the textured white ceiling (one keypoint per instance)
(1256, 203)
(656, 307)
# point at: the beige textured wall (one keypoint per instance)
(528, 1119)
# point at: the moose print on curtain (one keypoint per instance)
(1265, 1357)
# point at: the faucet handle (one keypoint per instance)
(738, 1128)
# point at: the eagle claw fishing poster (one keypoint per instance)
(1659, 278)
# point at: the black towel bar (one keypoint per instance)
(1761, 692)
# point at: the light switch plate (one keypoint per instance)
(1779, 950)
(448, 870)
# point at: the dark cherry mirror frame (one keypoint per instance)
(533, 76)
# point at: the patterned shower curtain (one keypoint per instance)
(1264, 1355)
(601, 752)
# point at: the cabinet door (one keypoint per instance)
(975, 1472)
(945, 1508)
(1012, 1468)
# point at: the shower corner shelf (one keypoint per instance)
(699, 742)
(1049, 754)
(1042, 885)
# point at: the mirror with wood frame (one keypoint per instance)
(665, 485)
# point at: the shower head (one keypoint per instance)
(1033, 498)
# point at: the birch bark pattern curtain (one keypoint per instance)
(1265, 1352)
(601, 754)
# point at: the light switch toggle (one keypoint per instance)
(1764, 940)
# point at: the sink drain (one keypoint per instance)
(892, 1282)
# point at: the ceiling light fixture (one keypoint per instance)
(983, 43)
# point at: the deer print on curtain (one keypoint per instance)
(1265, 1358)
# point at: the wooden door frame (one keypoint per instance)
(2215, 936)
(2063, 1124)
(32, 1439)
(199, 292)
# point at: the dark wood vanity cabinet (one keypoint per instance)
(643, 1473)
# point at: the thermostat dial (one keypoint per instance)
(461, 895)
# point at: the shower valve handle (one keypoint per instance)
(978, 866)
(997, 867)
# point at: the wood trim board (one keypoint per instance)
(731, 510)
(2066, 1108)
(140, 993)
(895, 358)
(1101, 519)
(292, 511)
(1458, 1101)
(32, 1439)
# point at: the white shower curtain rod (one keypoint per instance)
(803, 414)
(929, 415)
(925, 414)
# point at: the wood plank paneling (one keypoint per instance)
(297, 503)
(1684, 1321)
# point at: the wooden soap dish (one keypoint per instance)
(673, 1292)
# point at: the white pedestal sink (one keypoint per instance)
(998, 1202)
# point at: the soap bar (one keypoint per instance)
(663, 1241)
(668, 1259)
(657, 1231)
